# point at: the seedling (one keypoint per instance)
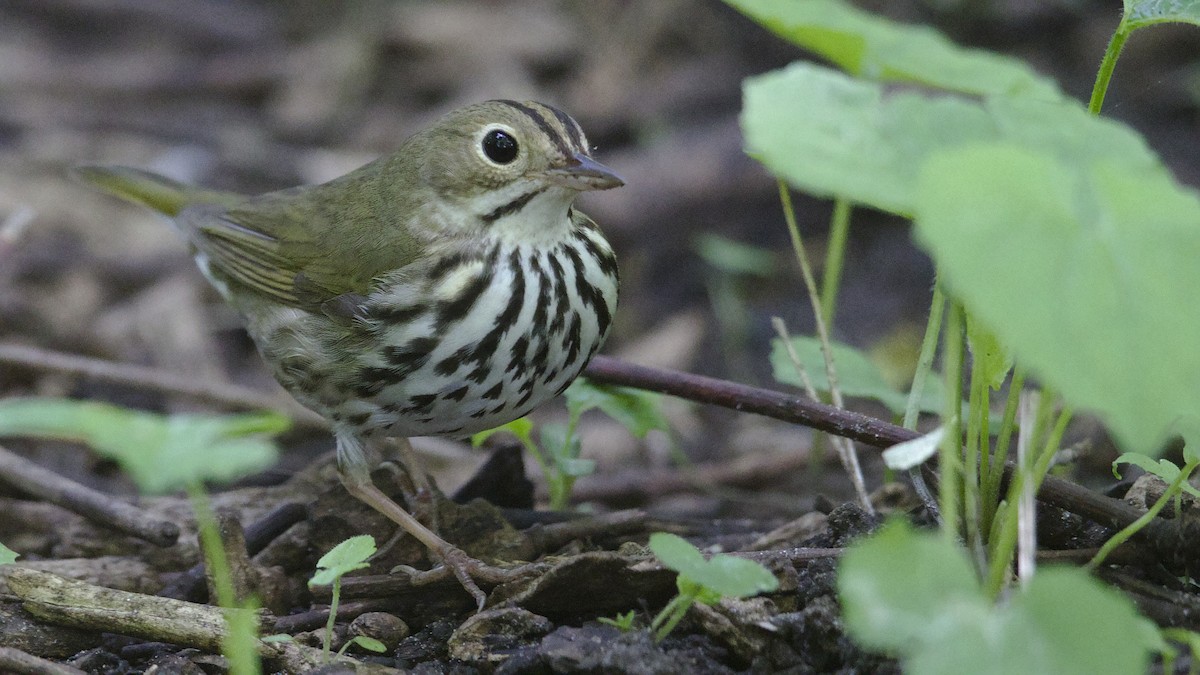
(700, 580)
(558, 453)
(622, 622)
(350, 555)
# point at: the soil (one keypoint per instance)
(254, 96)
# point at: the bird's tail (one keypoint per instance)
(162, 194)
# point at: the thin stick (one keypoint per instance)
(96, 506)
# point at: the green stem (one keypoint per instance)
(933, 327)
(333, 608)
(971, 460)
(995, 474)
(241, 663)
(1125, 534)
(835, 256)
(1107, 64)
(950, 451)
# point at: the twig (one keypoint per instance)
(141, 377)
(94, 505)
(863, 428)
(22, 663)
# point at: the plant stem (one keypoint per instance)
(994, 475)
(1107, 64)
(835, 256)
(241, 661)
(933, 328)
(845, 449)
(950, 450)
(327, 639)
(1126, 533)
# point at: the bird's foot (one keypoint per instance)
(468, 571)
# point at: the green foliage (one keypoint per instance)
(861, 140)
(857, 376)
(368, 643)
(1139, 13)
(701, 580)
(915, 595)
(558, 452)
(875, 48)
(1102, 305)
(349, 555)
(1163, 468)
(735, 257)
(7, 555)
(622, 622)
(160, 452)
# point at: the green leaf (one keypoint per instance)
(857, 376)
(721, 576)
(1139, 13)
(369, 643)
(1164, 469)
(7, 555)
(576, 466)
(1085, 267)
(1067, 622)
(899, 586)
(636, 410)
(676, 553)
(522, 428)
(831, 135)
(735, 257)
(347, 556)
(161, 453)
(932, 613)
(875, 48)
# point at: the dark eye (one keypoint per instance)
(500, 147)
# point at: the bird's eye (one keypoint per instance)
(500, 146)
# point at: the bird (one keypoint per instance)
(444, 289)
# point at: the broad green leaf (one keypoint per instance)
(930, 610)
(735, 257)
(831, 135)
(161, 453)
(1140, 13)
(347, 556)
(875, 48)
(1067, 622)
(899, 587)
(7, 555)
(722, 575)
(734, 577)
(1085, 267)
(909, 454)
(636, 410)
(857, 376)
(676, 553)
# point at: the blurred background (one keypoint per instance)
(253, 96)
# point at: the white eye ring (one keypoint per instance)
(497, 144)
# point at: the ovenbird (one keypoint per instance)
(447, 288)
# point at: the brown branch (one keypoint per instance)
(94, 505)
(863, 428)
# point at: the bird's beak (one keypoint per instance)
(581, 172)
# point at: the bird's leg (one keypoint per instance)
(421, 501)
(354, 468)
